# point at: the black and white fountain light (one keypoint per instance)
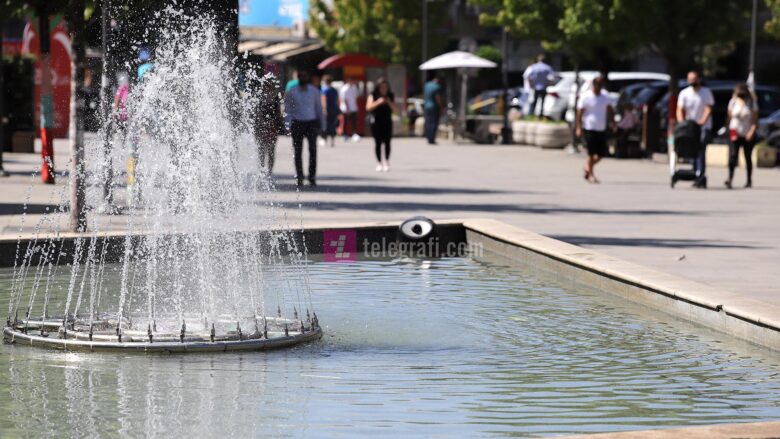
(190, 270)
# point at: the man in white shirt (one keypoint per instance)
(594, 116)
(348, 96)
(537, 77)
(695, 103)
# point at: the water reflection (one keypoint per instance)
(454, 347)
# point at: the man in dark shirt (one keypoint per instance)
(433, 106)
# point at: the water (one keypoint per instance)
(441, 348)
(194, 191)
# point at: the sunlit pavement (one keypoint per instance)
(726, 238)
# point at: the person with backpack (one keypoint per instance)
(695, 103)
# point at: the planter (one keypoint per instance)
(519, 129)
(548, 135)
(765, 155)
(23, 141)
(541, 134)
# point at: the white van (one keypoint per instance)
(615, 82)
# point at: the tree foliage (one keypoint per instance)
(772, 26)
(678, 31)
(579, 28)
(387, 29)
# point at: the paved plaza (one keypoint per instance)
(729, 239)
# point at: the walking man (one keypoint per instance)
(330, 103)
(303, 116)
(695, 103)
(594, 116)
(348, 94)
(433, 107)
(537, 77)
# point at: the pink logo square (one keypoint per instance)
(339, 245)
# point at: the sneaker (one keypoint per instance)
(727, 183)
(386, 167)
(355, 138)
(312, 182)
(379, 167)
(321, 142)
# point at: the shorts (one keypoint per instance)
(596, 142)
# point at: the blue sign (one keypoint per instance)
(274, 13)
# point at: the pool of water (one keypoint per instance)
(441, 348)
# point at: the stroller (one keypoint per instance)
(687, 145)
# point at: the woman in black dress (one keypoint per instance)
(381, 105)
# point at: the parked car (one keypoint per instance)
(616, 81)
(559, 94)
(486, 103)
(769, 126)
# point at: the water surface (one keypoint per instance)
(442, 348)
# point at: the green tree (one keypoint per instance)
(676, 31)
(387, 29)
(688, 28)
(772, 26)
(583, 30)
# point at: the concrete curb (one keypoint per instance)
(724, 311)
(721, 310)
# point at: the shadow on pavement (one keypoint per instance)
(485, 208)
(405, 190)
(33, 209)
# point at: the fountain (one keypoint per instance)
(203, 259)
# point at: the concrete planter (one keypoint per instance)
(541, 134)
(765, 155)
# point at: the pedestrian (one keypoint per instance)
(537, 77)
(120, 104)
(330, 106)
(433, 106)
(695, 103)
(304, 118)
(381, 104)
(293, 82)
(594, 117)
(268, 124)
(742, 122)
(348, 96)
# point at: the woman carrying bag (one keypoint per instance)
(742, 122)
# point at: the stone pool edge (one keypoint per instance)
(724, 311)
(721, 310)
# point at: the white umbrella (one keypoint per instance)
(459, 60)
(456, 60)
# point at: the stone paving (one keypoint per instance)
(729, 239)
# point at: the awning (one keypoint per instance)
(350, 59)
(249, 46)
(276, 49)
(295, 52)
